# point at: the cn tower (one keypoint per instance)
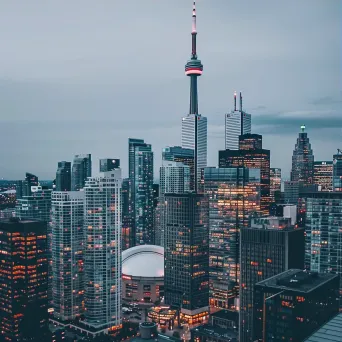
(194, 126)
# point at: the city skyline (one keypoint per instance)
(65, 87)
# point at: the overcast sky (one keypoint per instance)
(83, 76)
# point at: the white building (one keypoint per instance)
(102, 263)
(195, 125)
(67, 220)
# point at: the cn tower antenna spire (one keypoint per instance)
(194, 31)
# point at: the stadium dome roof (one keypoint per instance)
(143, 261)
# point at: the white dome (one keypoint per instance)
(143, 261)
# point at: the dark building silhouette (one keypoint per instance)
(81, 170)
(109, 164)
(187, 255)
(63, 176)
(303, 160)
(128, 238)
(270, 245)
(292, 305)
(337, 171)
(330, 331)
(23, 277)
(23, 188)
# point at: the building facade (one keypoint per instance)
(234, 195)
(102, 255)
(63, 176)
(323, 175)
(271, 245)
(337, 171)
(187, 255)
(67, 223)
(128, 239)
(275, 182)
(141, 190)
(81, 170)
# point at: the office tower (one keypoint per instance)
(337, 171)
(292, 305)
(323, 174)
(155, 194)
(234, 195)
(141, 190)
(330, 331)
(102, 255)
(186, 279)
(285, 210)
(270, 245)
(275, 182)
(250, 142)
(323, 250)
(237, 123)
(291, 192)
(174, 178)
(183, 155)
(23, 279)
(128, 239)
(302, 160)
(63, 176)
(67, 222)
(81, 170)
(23, 188)
(19, 189)
(109, 164)
(252, 159)
(194, 125)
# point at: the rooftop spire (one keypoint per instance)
(194, 32)
(302, 127)
(234, 101)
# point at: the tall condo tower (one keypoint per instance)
(81, 170)
(194, 126)
(237, 123)
(63, 176)
(102, 256)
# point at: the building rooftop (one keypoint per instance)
(143, 261)
(297, 280)
(226, 314)
(329, 332)
(216, 332)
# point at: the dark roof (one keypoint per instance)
(297, 280)
(226, 314)
(329, 332)
(209, 330)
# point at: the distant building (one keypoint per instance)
(291, 192)
(323, 174)
(81, 170)
(109, 164)
(63, 176)
(337, 171)
(250, 141)
(286, 211)
(128, 238)
(270, 245)
(187, 255)
(275, 182)
(237, 123)
(23, 188)
(234, 195)
(23, 277)
(292, 305)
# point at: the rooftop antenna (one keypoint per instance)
(234, 101)
(240, 102)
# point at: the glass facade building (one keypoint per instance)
(102, 255)
(323, 174)
(234, 195)
(275, 182)
(128, 239)
(63, 176)
(337, 171)
(67, 223)
(81, 170)
(186, 274)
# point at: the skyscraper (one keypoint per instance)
(102, 256)
(63, 176)
(67, 221)
(187, 255)
(81, 170)
(23, 188)
(303, 160)
(337, 171)
(237, 123)
(109, 164)
(323, 174)
(23, 278)
(128, 239)
(270, 245)
(234, 195)
(275, 182)
(194, 125)
(141, 190)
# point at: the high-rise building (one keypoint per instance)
(270, 245)
(337, 171)
(323, 174)
(174, 178)
(23, 279)
(128, 239)
(275, 182)
(291, 192)
(23, 188)
(81, 170)
(63, 176)
(237, 123)
(323, 250)
(102, 254)
(141, 190)
(186, 279)
(292, 305)
(250, 141)
(194, 125)
(67, 222)
(330, 331)
(252, 159)
(109, 164)
(303, 160)
(182, 155)
(234, 195)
